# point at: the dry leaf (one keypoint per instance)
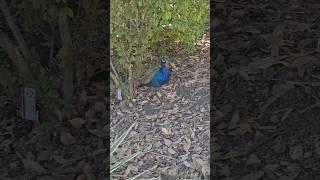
(167, 142)
(302, 60)
(205, 167)
(81, 177)
(173, 171)
(166, 131)
(88, 171)
(270, 167)
(222, 126)
(98, 132)
(120, 113)
(276, 40)
(215, 147)
(58, 159)
(253, 159)
(286, 114)
(77, 122)
(253, 176)
(296, 152)
(303, 43)
(225, 170)
(128, 170)
(186, 146)
(66, 138)
(234, 120)
(152, 116)
(172, 65)
(188, 164)
(237, 132)
(171, 151)
(33, 166)
(316, 142)
(245, 126)
(158, 144)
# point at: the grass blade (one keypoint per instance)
(123, 161)
(119, 140)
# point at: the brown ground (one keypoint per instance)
(172, 122)
(265, 128)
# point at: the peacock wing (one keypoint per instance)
(147, 75)
(165, 74)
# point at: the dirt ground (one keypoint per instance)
(172, 128)
(54, 148)
(266, 90)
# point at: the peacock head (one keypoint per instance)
(163, 61)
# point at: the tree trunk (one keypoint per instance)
(67, 60)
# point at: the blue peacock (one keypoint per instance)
(160, 76)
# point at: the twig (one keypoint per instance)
(114, 78)
(130, 79)
(169, 157)
(114, 70)
(53, 29)
(114, 75)
(309, 107)
(120, 121)
(298, 83)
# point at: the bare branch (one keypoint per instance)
(67, 69)
(15, 56)
(15, 30)
(113, 69)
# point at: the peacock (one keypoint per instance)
(160, 76)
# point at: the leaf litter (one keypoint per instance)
(172, 121)
(266, 90)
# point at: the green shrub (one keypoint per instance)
(142, 30)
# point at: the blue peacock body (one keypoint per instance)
(160, 76)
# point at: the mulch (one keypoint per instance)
(172, 122)
(266, 90)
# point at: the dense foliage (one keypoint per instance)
(143, 30)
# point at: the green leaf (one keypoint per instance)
(123, 161)
(113, 159)
(119, 140)
(136, 28)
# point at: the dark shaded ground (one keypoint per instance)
(267, 124)
(58, 148)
